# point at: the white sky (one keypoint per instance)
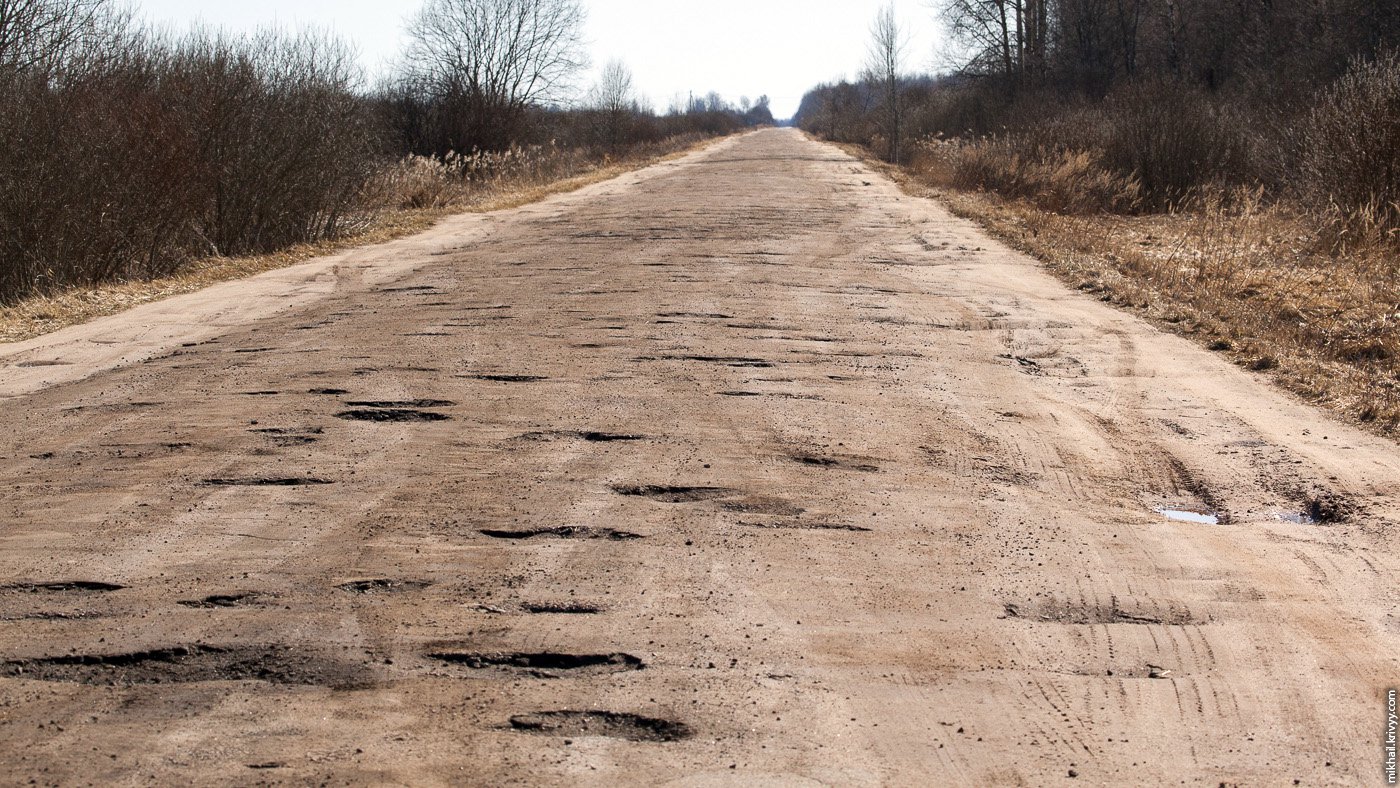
(734, 47)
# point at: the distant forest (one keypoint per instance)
(1163, 100)
(126, 152)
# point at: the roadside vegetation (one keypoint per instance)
(1232, 170)
(130, 154)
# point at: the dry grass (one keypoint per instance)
(1257, 282)
(40, 315)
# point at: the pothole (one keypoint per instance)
(835, 462)
(762, 505)
(402, 403)
(509, 378)
(329, 392)
(429, 289)
(798, 525)
(583, 435)
(729, 361)
(544, 664)
(246, 599)
(383, 585)
(267, 481)
(562, 532)
(62, 586)
(1328, 507)
(672, 493)
(609, 724)
(1086, 613)
(565, 608)
(392, 415)
(190, 664)
(291, 436)
(702, 315)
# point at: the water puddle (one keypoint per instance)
(1188, 516)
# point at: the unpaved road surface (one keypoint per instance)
(742, 469)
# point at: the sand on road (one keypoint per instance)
(742, 469)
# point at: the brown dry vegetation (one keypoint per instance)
(420, 190)
(1259, 281)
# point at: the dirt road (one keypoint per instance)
(742, 469)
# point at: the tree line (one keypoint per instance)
(127, 151)
(1167, 99)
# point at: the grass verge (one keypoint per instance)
(1255, 282)
(43, 314)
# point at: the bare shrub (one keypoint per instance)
(1349, 152)
(1174, 140)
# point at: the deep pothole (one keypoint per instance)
(609, 724)
(185, 664)
(561, 532)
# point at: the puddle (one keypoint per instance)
(1188, 516)
(1297, 518)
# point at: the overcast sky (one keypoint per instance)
(734, 47)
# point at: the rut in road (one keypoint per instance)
(745, 466)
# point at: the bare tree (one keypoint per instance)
(39, 35)
(487, 61)
(1005, 38)
(883, 66)
(614, 99)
